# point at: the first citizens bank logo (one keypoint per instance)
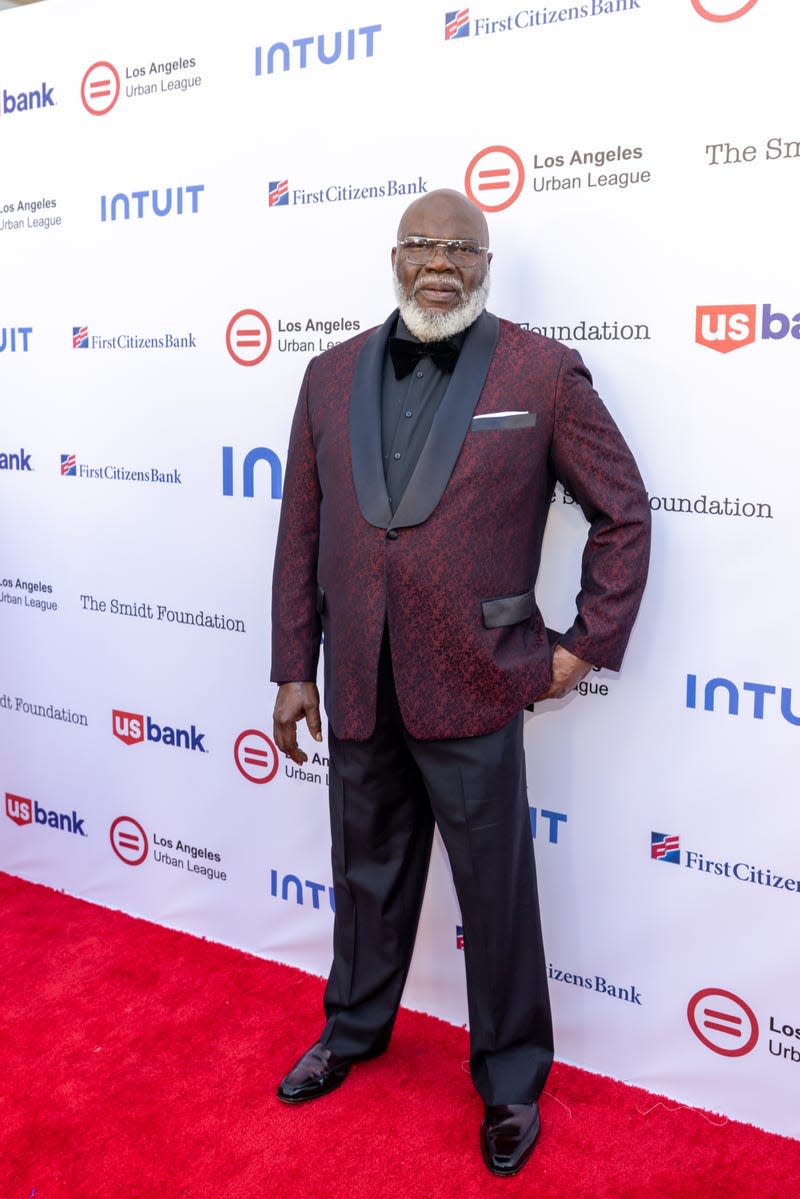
(666, 847)
(83, 339)
(458, 24)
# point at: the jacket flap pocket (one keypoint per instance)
(508, 609)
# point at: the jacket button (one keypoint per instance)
(392, 534)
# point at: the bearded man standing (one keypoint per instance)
(421, 465)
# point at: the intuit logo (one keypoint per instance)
(759, 691)
(27, 811)
(20, 461)
(14, 102)
(13, 341)
(324, 48)
(178, 201)
(289, 887)
(260, 454)
(132, 728)
(554, 820)
(726, 327)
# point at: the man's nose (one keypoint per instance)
(439, 261)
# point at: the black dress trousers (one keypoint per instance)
(385, 795)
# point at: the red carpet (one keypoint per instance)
(140, 1063)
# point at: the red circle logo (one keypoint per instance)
(255, 756)
(248, 337)
(702, 11)
(100, 88)
(723, 1022)
(128, 840)
(494, 178)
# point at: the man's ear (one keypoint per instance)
(394, 256)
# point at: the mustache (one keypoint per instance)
(437, 281)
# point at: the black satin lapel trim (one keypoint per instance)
(438, 457)
(365, 428)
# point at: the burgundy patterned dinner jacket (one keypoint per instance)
(453, 570)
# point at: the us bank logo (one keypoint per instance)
(24, 811)
(13, 103)
(726, 327)
(133, 728)
(722, 10)
(456, 24)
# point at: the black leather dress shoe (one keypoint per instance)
(318, 1072)
(508, 1135)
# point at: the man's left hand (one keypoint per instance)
(567, 673)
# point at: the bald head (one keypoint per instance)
(444, 213)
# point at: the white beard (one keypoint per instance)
(429, 325)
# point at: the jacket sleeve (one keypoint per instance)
(590, 457)
(296, 628)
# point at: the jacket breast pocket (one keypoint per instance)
(502, 420)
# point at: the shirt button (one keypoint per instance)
(408, 412)
(396, 456)
(392, 534)
(420, 374)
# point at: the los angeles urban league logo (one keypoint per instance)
(722, 1022)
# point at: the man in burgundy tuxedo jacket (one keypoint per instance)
(421, 466)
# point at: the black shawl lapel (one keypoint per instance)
(438, 457)
(365, 428)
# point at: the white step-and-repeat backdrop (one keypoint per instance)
(195, 199)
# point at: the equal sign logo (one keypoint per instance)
(128, 840)
(256, 756)
(494, 178)
(279, 193)
(248, 337)
(456, 24)
(100, 88)
(723, 1022)
(68, 465)
(80, 337)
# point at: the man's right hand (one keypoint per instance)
(296, 700)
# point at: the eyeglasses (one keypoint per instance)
(463, 254)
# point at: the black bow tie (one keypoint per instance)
(406, 354)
